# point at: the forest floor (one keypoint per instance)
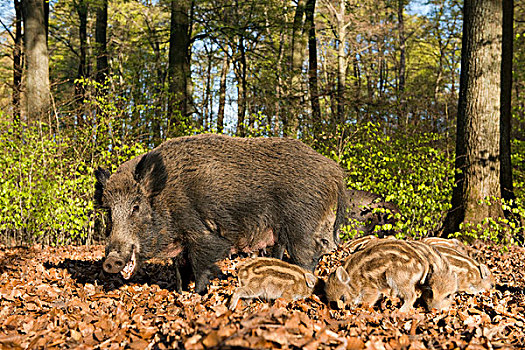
(60, 298)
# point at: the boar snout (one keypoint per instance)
(113, 263)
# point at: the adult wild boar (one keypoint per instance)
(207, 196)
(361, 209)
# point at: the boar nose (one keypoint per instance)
(113, 263)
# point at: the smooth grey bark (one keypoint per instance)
(37, 90)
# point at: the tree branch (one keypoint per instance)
(11, 34)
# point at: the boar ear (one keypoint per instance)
(484, 270)
(342, 275)
(150, 173)
(311, 280)
(102, 176)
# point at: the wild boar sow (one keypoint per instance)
(208, 196)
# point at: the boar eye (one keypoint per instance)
(324, 241)
(135, 209)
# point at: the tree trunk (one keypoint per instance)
(478, 119)
(222, 93)
(82, 11)
(207, 98)
(17, 61)
(295, 61)
(403, 115)
(357, 85)
(101, 41)
(278, 88)
(179, 64)
(507, 191)
(241, 89)
(341, 63)
(38, 95)
(312, 67)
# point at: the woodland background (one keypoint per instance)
(371, 84)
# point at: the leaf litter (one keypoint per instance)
(60, 298)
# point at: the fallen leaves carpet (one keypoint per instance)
(60, 298)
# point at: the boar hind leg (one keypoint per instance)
(203, 253)
(369, 296)
(242, 292)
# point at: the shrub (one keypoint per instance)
(46, 188)
(410, 171)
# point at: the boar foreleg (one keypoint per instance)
(203, 252)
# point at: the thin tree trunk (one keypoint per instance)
(403, 115)
(222, 93)
(179, 64)
(46, 18)
(507, 191)
(82, 11)
(205, 118)
(437, 86)
(101, 41)
(17, 61)
(278, 89)
(295, 61)
(357, 86)
(478, 120)
(312, 67)
(38, 95)
(156, 132)
(381, 67)
(241, 89)
(341, 63)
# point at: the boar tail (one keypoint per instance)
(342, 203)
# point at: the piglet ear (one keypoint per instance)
(342, 275)
(311, 280)
(150, 173)
(102, 176)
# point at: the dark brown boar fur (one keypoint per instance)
(210, 195)
(371, 210)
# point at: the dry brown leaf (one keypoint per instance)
(354, 343)
(212, 339)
